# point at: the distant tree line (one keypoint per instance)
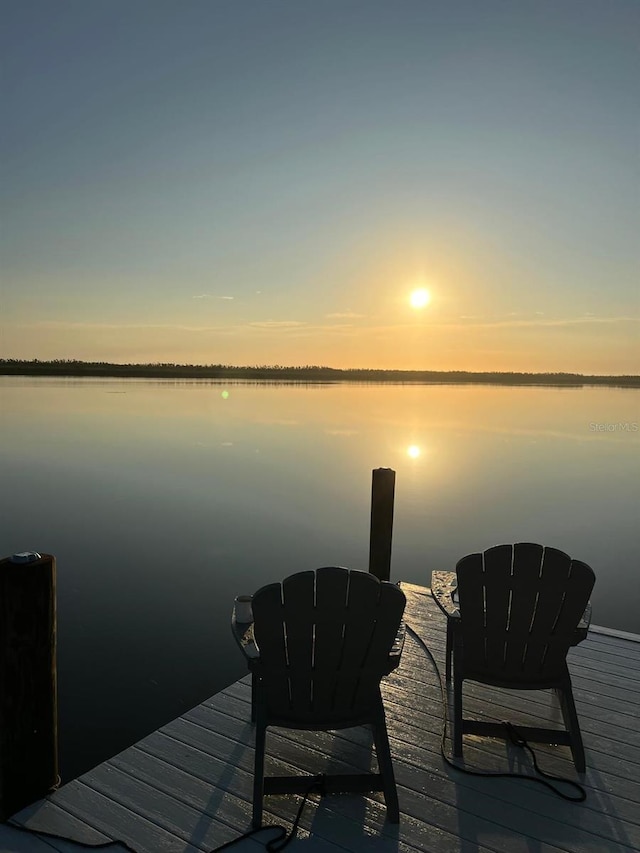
(305, 373)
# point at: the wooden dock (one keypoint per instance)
(186, 788)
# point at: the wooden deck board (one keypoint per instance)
(60, 821)
(187, 786)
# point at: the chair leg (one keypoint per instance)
(258, 774)
(449, 650)
(457, 694)
(254, 682)
(383, 752)
(570, 717)
(457, 717)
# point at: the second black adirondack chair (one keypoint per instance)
(521, 608)
(323, 640)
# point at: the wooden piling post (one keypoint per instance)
(382, 496)
(28, 694)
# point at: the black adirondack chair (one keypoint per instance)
(521, 607)
(318, 647)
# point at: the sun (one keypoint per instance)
(419, 298)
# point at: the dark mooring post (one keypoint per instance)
(382, 493)
(28, 700)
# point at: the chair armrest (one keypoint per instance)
(444, 588)
(397, 647)
(243, 635)
(583, 626)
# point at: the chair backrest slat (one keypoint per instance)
(331, 605)
(362, 610)
(524, 585)
(556, 566)
(389, 613)
(470, 574)
(268, 606)
(298, 595)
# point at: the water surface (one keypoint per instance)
(162, 500)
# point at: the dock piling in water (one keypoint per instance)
(382, 496)
(28, 690)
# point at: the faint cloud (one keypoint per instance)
(276, 324)
(336, 327)
(212, 296)
(587, 318)
(344, 315)
(472, 322)
(62, 325)
(539, 323)
(346, 432)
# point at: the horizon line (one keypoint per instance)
(280, 368)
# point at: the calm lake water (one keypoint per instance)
(162, 500)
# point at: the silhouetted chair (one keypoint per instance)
(517, 611)
(318, 647)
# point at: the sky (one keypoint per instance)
(268, 182)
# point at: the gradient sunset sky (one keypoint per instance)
(267, 182)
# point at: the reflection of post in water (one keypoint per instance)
(382, 496)
(28, 702)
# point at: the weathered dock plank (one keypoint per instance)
(187, 786)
